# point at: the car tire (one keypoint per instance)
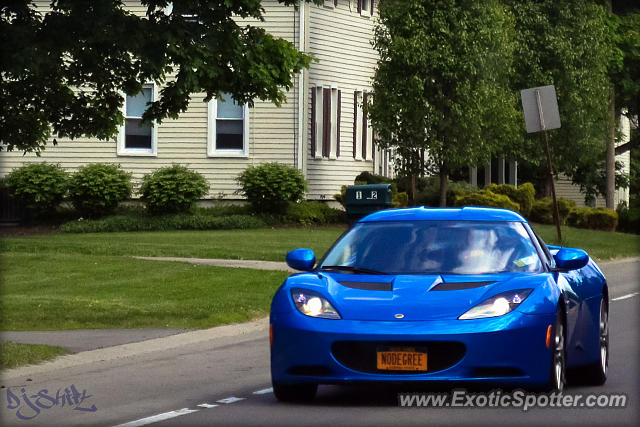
(295, 392)
(596, 374)
(558, 368)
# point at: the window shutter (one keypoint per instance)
(326, 122)
(355, 122)
(371, 10)
(339, 108)
(364, 125)
(360, 6)
(313, 122)
(335, 3)
(373, 146)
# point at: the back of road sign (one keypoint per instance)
(540, 108)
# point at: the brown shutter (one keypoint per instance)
(326, 121)
(339, 108)
(355, 122)
(364, 125)
(373, 145)
(371, 10)
(360, 6)
(335, 3)
(313, 122)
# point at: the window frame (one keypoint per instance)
(122, 149)
(212, 120)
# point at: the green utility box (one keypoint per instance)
(361, 200)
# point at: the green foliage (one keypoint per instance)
(570, 44)
(442, 82)
(429, 195)
(270, 186)
(486, 198)
(524, 195)
(217, 52)
(593, 218)
(128, 223)
(95, 190)
(629, 216)
(40, 187)
(542, 210)
(16, 354)
(367, 177)
(400, 199)
(313, 213)
(172, 189)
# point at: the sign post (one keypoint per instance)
(541, 114)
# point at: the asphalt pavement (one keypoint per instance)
(220, 376)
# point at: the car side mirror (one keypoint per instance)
(571, 259)
(301, 259)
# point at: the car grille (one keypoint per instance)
(362, 355)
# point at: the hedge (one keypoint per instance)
(486, 198)
(524, 195)
(542, 210)
(593, 218)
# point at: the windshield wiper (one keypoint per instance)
(351, 269)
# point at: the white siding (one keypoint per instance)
(341, 41)
(272, 134)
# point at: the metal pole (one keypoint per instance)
(556, 212)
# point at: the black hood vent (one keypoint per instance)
(456, 286)
(369, 286)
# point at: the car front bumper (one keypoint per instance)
(506, 350)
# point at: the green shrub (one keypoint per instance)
(95, 190)
(123, 223)
(270, 186)
(313, 213)
(628, 218)
(430, 193)
(400, 199)
(542, 210)
(367, 177)
(593, 218)
(39, 187)
(172, 189)
(524, 195)
(486, 198)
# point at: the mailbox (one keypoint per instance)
(361, 200)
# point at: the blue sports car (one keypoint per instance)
(466, 295)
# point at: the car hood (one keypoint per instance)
(417, 297)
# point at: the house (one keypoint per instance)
(321, 129)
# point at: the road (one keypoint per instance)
(222, 378)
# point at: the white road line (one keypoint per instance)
(230, 400)
(264, 391)
(625, 296)
(207, 405)
(158, 418)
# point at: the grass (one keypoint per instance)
(262, 244)
(71, 291)
(601, 245)
(14, 354)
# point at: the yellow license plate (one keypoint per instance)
(402, 361)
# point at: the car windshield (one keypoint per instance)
(434, 247)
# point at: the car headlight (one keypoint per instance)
(313, 304)
(497, 305)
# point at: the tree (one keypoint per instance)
(570, 44)
(441, 82)
(64, 70)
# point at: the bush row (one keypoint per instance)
(95, 190)
(121, 223)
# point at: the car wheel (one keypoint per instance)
(596, 374)
(558, 371)
(295, 392)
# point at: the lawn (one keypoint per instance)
(80, 281)
(14, 354)
(70, 291)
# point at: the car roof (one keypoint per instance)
(423, 213)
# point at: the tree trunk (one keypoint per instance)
(444, 181)
(413, 189)
(611, 142)
(548, 183)
(611, 153)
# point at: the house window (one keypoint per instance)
(362, 132)
(136, 138)
(365, 7)
(228, 133)
(325, 121)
